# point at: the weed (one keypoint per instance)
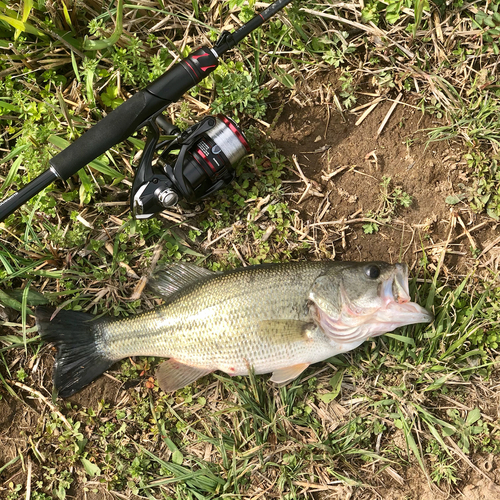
(484, 193)
(490, 22)
(393, 10)
(348, 89)
(237, 91)
(13, 491)
(110, 97)
(443, 467)
(467, 428)
(391, 198)
(104, 44)
(336, 55)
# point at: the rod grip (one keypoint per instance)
(133, 113)
(112, 129)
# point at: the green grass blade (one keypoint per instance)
(12, 174)
(24, 312)
(202, 479)
(8, 464)
(104, 44)
(401, 338)
(15, 152)
(22, 26)
(410, 440)
(10, 107)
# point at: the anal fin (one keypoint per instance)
(173, 375)
(284, 375)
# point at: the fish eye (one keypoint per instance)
(373, 272)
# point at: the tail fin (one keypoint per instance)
(79, 358)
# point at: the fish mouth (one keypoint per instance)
(398, 303)
(393, 310)
(395, 314)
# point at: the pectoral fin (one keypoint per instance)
(173, 375)
(285, 330)
(284, 375)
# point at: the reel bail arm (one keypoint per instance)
(204, 164)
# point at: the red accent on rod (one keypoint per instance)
(191, 68)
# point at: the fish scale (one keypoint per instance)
(217, 323)
(277, 318)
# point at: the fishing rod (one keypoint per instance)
(207, 150)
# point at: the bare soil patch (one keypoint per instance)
(332, 210)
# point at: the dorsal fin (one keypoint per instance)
(175, 277)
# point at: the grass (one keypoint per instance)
(416, 399)
(390, 199)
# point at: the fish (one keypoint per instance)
(269, 318)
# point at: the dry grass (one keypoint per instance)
(413, 415)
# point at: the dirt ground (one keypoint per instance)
(336, 182)
(326, 142)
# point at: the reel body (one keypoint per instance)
(191, 166)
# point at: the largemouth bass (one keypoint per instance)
(277, 318)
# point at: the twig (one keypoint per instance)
(464, 457)
(223, 234)
(262, 122)
(339, 106)
(307, 182)
(239, 255)
(28, 480)
(471, 239)
(301, 174)
(453, 222)
(327, 120)
(141, 284)
(311, 487)
(344, 221)
(389, 113)
(370, 29)
(327, 177)
(306, 190)
(487, 248)
(460, 236)
(367, 104)
(372, 105)
(177, 221)
(49, 403)
(268, 233)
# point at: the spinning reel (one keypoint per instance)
(207, 154)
